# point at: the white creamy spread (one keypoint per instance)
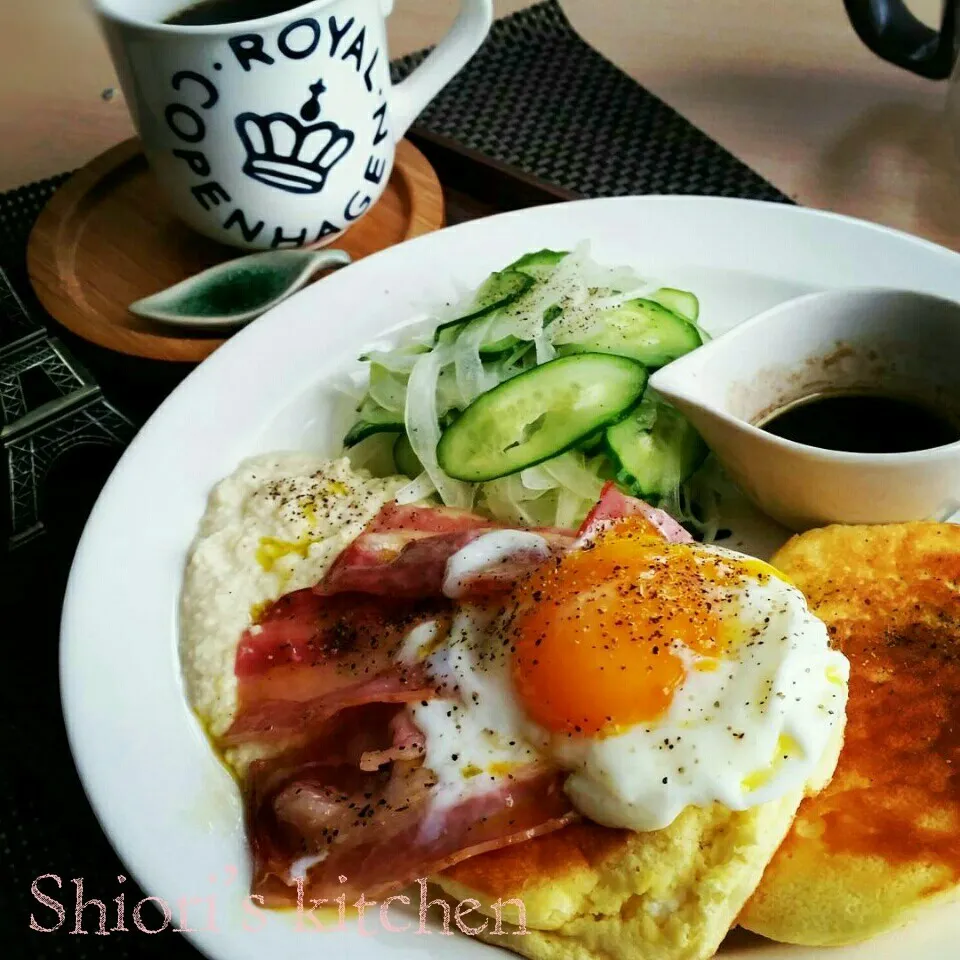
(273, 526)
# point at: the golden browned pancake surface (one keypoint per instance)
(593, 893)
(550, 874)
(884, 837)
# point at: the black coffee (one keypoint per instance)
(205, 13)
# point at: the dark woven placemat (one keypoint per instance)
(536, 96)
(539, 97)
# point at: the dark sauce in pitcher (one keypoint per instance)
(863, 423)
(205, 13)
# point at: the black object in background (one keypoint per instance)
(891, 31)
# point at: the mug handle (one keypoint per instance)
(892, 32)
(411, 95)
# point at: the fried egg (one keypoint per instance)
(658, 675)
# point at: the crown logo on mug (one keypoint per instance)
(284, 153)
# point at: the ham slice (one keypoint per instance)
(407, 743)
(293, 721)
(333, 638)
(311, 656)
(404, 551)
(396, 516)
(396, 564)
(614, 505)
(383, 829)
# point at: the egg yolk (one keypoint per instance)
(595, 635)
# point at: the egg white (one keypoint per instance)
(747, 732)
(476, 738)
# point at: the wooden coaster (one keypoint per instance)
(106, 239)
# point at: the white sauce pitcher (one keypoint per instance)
(889, 341)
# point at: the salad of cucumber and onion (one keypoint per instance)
(532, 392)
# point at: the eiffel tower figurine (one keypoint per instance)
(33, 437)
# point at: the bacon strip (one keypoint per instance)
(290, 721)
(311, 656)
(340, 639)
(396, 564)
(614, 505)
(404, 550)
(407, 743)
(397, 516)
(383, 829)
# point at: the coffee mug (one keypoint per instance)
(279, 131)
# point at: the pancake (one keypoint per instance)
(594, 893)
(883, 840)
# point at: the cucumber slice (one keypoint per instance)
(502, 285)
(512, 283)
(655, 448)
(372, 418)
(593, 443)
(551, 314)
(497, 293)
(539, 264)
(449, 416)
(681, 302)
(640, 329)
(408, 463)
(499, 342)
(538, 414)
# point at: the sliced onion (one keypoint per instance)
(348, 386)
(537, 479)
(423, 427)
(575, 324)
(572, 475)
(459, 305)
(571, 510)
(602, 275)
(503, 507)
(545, 351)
(525, 321)
(710, 488)
(416, 490)
(400, 360)
(448, 395)
(607, 299)
(519, 494)
(563, 287)
(472, 378)
(544, 510)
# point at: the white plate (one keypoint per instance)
(168, 807)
